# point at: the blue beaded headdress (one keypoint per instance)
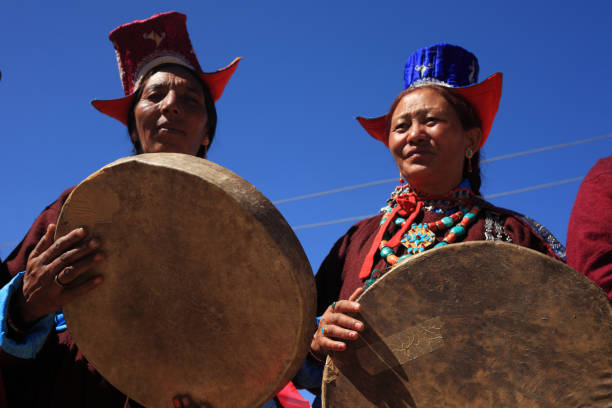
(443, 64)
(454, 67)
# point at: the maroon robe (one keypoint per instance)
(338, 276)
(589, 234)
(59, 376)
(16, 261)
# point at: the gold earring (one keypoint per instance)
(468, 155)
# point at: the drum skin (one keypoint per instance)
(478, 324)
(206, 290)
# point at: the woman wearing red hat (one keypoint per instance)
(434, 130)
(169, 106)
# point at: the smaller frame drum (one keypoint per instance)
(206, 291)
(478, 324)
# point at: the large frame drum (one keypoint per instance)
(478, 324)
(206, 289)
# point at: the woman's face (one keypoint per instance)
(428, 142)
(170, 116)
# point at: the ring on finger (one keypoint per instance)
(59, 283)
(323, 330)
(333, 305)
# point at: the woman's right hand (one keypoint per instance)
(50, 272)
(336, 325)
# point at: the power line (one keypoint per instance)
(335, 190)
(503, 194)
(538, 187)
(338, 221)
(546, 148)
(384, 181)
(492, 159)
(362, 217)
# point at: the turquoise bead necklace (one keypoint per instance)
(422, 236)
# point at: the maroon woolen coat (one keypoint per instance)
(338, 276)
(589, 233)
(59, 376)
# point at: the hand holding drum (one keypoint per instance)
(52, 268)
(335, 325)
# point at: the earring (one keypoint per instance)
(468, 155)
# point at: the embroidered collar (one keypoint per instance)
(462, 192)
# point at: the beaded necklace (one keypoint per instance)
(403, 207)
(422, 236)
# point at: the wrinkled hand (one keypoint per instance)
(337, 324)
(68, 257)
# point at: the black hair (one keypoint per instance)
(211, 111)
(467, 116)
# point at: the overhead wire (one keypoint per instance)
(394, 180)
(390, 180)
(502, 194)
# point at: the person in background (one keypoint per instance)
(589, 232)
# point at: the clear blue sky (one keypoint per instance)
(287, 117)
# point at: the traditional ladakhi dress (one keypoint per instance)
(52, 372)
(356, 260)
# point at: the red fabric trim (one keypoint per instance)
(393, 242)
(115, 108)
(376, 127)
(366, 268)
(217, 80)
(289, 397)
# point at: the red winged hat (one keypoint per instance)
(142, 45)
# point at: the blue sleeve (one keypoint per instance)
(37, 335)
(310, 375)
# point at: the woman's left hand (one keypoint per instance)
(336, 325)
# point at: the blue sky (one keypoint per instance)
(287, 117)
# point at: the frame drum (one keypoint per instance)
(206, 291)
(477, 324)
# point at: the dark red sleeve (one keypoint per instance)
(16, 261)
(338, 276)
(329, 277)
(589, 235)
(527, 236)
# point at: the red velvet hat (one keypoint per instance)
(453, 67)
(145, 44)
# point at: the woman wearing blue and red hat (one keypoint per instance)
(169, 106)
(434, 130)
